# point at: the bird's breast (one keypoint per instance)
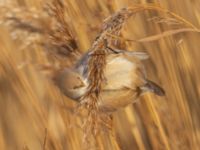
(118, 73)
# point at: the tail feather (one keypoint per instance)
(153, 87)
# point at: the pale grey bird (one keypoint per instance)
(125, 79)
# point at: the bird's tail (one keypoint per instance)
(153, 87)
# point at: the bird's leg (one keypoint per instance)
(140, 55)
(116, 51)
(109, 48)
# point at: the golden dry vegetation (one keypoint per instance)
(34, 115)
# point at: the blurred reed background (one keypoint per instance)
(34, 115)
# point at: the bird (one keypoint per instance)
(125, 79)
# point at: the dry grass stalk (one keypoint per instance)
(173, 19)
(45, 140)
(47, 28)
(61, 36)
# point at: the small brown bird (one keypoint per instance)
(125, 80)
